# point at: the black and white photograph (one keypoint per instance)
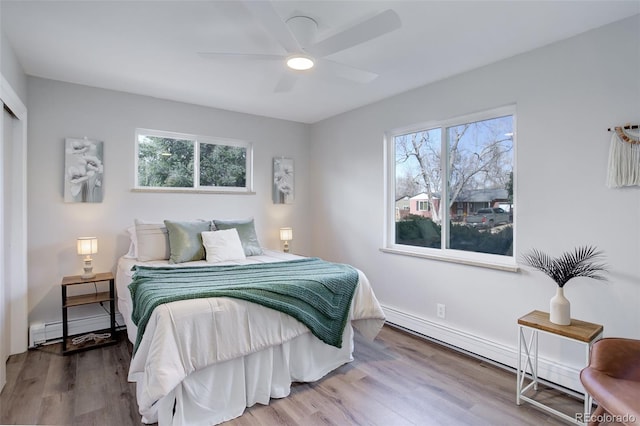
(283, 187)
(83, 171)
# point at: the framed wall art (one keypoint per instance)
(83, 171)
(283, 182)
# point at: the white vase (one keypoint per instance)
(560, 308)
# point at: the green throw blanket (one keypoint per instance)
(315, 292)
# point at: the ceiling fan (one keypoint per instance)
(303, 53)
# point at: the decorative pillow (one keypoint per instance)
(152, 241)
(246, 232)
(133, 244)
(222, 245)
(185, 241)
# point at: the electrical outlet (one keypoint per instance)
(441, 310)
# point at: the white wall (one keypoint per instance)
(10, 67)
(567, 95)
(58, 110)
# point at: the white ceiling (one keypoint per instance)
(150, 47)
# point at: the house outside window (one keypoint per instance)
(183, 162)
(467, 161)
(402, 207)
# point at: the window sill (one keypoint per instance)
(507, 267)
(193, 191)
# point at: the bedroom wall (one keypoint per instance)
(59, 110)
(567, 95)
(10, 67)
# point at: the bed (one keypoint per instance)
(203, 361)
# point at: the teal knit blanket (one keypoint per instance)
(313, 291)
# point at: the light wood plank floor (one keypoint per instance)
(398, 379)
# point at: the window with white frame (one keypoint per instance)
(176, 161)
(463, 171)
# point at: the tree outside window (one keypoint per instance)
(223, 165)
(470, 165)
(179, 161)
(165, 162)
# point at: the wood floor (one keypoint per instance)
(398, 379)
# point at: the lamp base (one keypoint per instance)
(286, 247)
(88, 269)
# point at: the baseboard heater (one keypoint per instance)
(45, 333)
(501, 355)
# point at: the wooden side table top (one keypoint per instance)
(578, 330)
(77, 279)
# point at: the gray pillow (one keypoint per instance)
(246, 232)
(185, 241)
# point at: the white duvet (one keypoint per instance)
(203, 361)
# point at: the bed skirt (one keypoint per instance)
(222, 391)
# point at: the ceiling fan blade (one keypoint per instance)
(242, 56)
(273, 23)
(346, 72)
(369, 29)
(286, 83)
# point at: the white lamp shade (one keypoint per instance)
(87, 245)
(286, 234)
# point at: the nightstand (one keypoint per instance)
(85, 299)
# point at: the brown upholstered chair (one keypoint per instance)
(612, 378)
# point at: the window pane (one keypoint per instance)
(165, 162)
(223, 165)
(418, 188)
(480, 164)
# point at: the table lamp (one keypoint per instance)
(286, 235)
(86, 247)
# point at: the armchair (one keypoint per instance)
(612, 378)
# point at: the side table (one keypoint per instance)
(85, 299)
(582, 332)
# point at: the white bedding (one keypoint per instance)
(211, 358)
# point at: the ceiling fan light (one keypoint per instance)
(300, 62)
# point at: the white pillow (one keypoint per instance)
(222, 245)
(133, 245)
(152, 241)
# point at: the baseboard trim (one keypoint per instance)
(43, 333)
(504, 355)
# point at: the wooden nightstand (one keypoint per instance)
(85, 299)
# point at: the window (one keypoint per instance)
(167, 161)
(424, 206)
(461, 170)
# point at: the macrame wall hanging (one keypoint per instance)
(624, 157)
